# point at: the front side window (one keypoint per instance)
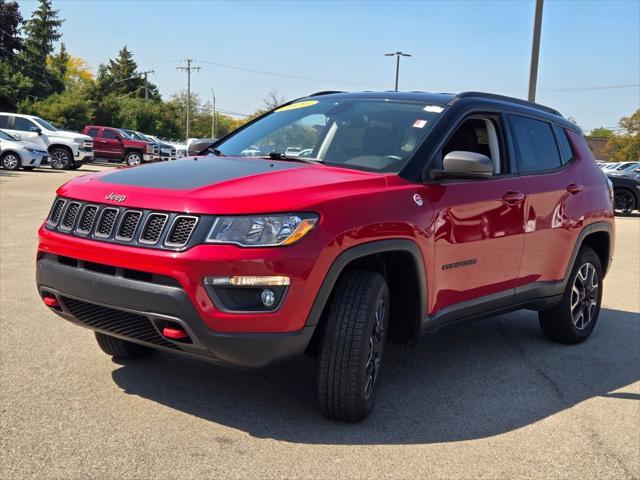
(535, 144)
(24, 125)
(93, 132)
(4, 121)
(45, 124)
(109, 134)
(372, 135)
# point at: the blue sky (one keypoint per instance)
(339, 45)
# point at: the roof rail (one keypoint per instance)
(504, 98)
(325, 92)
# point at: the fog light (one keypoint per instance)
(268, 298)
(248, 281)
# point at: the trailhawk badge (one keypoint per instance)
(115, 197)
(418, 199)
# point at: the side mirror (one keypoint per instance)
(37, 130)
(459, 164)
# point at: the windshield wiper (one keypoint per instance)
(282, 156)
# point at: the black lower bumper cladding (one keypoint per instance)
(135, 310)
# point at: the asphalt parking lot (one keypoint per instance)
(489, 399)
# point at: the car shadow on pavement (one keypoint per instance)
(467, 381)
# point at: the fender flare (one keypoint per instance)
(584, 233)
(360, 251)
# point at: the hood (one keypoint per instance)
(66, 134)
(222, 185)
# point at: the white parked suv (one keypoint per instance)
(67, 150)
(15, 154)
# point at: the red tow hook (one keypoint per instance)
(174, 333)
(51, 302)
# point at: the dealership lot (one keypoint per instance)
(489, 399)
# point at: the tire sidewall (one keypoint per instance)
(624, 191)
(586, 255)
(128, 157)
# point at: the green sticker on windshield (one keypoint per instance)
(293, 106)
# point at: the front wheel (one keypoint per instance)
(353, 346)
(61, 159)
(133, 158)
(10, 161)
(624, 201)
(573, 320)
(118, 348)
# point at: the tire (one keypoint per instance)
(352, 349)
(118, 348)
(10, 161)
(133, 159)
(569, 325)
(60, 158)
(75, 166)
(624, 201)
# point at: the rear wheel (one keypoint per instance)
(10, 161)
(353, 346)
(573, 320)
(61, 158)
(624, 201)
(119, 348)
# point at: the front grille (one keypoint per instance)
(128, 225)
(128, 324)
(56, 211)
(115, 224)
(87, 219)
(153, 228)
(181, 231)
(70, 216)
(106, 222)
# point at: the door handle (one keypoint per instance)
(513, 198)
(573, 188)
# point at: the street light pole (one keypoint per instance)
(397, 55)
(188, 69)
(535, 51)
(213, 117)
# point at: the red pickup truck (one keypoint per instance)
(114, 143)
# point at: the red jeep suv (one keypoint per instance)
(398, 213)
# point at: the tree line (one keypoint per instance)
(38, 78)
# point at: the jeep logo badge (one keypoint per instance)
(115, 197)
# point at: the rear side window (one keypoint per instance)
(109, 134)
(563, 143)
(4, 121)
(93, 132)
(535, 144)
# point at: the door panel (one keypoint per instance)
(478, 239)
(110, 144)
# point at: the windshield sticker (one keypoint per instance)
(419, 123)
(433, 108)
(293, 106)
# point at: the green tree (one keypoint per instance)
(10, 40)
(42, 31)
(13, 86)
(59, 63)
(120, 76)
(67, 110)
(626, 147)
(602, 132)
(15, 82)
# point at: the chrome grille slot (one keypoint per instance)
(128, 225)
(87, 219)
(153, 228)
(106, 222)
(181, 230)
(70, 215)
(56, 211)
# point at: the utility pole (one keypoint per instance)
(188, 69)
(146, 84)
(535, 51)
(213, 117)
(397, 55)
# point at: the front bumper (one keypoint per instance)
(32, 159)
(83, 155)
(87, 298)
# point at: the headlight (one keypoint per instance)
(261, 231)
(610, 188)
(80, 140)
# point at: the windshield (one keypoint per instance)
(373, 135)
(5, 136)
(139, 136)
(45, 124)
(125, 134)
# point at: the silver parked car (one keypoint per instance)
(15, 153)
